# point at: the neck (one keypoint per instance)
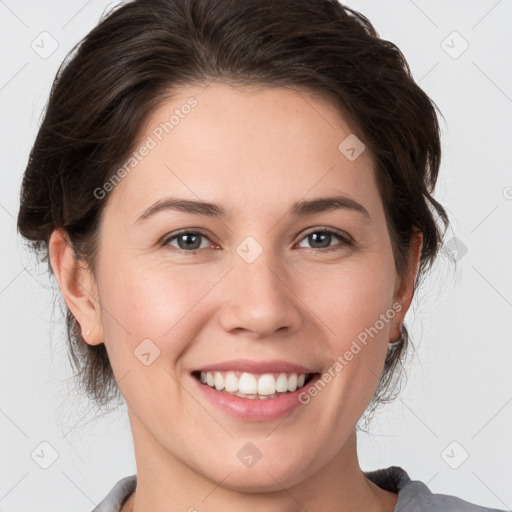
(165, 483)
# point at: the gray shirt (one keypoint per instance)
(413, 495)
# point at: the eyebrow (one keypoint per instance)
(298, 209)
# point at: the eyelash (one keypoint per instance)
(345, 240)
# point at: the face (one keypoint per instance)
(259, 278)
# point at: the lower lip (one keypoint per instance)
(256, 409)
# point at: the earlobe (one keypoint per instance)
(77, 286)
(405, 291)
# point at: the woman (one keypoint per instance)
(192, 155)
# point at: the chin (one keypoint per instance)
(270, 476)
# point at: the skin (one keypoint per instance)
(255, 152)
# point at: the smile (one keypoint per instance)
(252, 385)
(251, 405)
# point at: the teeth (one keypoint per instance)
(282, 383)
(248, 385)
(231, 382)
(292, 382)
(266, 385)
(218, 381)
(252, 386)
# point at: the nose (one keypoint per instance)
(259, 299)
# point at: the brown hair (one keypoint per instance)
(114, 78)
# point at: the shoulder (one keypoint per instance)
(113, 501)
(415, 496)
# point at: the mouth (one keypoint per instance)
(257, 391)
(254, 386)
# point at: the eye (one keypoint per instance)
(188, 241)
(324, 237)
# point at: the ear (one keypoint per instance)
(77, 285)
(404, 289)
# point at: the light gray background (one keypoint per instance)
(459, 385)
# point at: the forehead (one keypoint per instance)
(259, 143)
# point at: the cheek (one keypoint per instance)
(142, 302)
(355, 307)
(349, 298)
(149, 312)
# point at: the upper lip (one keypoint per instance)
(247, 365)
